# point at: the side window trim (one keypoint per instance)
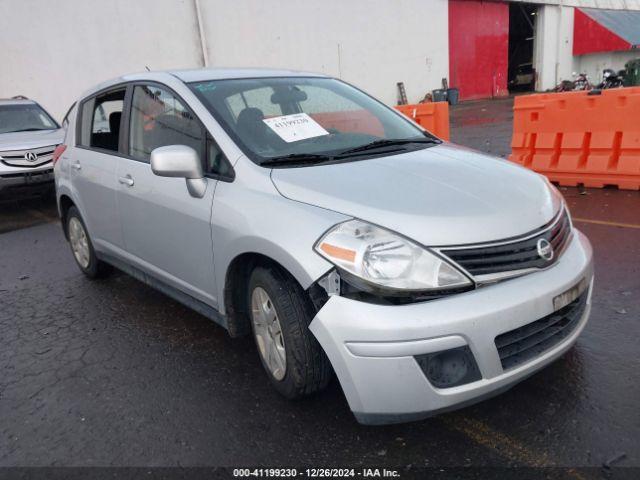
(217, 176)
(125, 122)
(79, 118)
(65, 119)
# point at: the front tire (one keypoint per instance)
(82, 248)
(280, 315)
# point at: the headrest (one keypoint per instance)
(250, 114)
(114, 121)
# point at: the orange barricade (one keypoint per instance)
(430, 116)
(576, 138)
(361, 121)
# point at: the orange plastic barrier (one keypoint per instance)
(360, 121)
(430, 116)
(575, 138)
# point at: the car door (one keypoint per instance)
(94, 165)
(167, 232)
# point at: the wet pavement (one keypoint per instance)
(112, 372)
(21, 211)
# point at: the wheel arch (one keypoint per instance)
(64, 204)
(236, 284)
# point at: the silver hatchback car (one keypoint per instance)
(341, 235)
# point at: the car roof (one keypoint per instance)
(202, 74)
(16, 101)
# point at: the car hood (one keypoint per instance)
(27, 140)
(443, 195)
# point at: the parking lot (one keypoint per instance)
(114, 373)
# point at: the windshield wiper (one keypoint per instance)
(30, 130)
(389, 142)
(297, 159)
(316, 158)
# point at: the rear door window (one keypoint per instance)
(100, 121)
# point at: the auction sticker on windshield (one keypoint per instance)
(296, 127)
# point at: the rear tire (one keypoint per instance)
(298, 366)
(82, 248)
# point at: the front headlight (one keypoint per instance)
(386, 259)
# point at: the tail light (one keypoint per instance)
(57, 152)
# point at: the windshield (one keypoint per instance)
(25, 118)
(285, 120)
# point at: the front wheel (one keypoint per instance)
(280, 317)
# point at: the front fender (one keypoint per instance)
(246, 219)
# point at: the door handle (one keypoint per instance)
(76, 166)
(128, 181)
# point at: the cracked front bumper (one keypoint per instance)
(372, 347)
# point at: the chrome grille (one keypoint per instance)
(17, 158)
(530, 341)
(513, 257)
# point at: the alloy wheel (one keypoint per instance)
(79, 242)
(268, 332)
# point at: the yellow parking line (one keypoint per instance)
(604, 222)
(573, 473)
(501, 443)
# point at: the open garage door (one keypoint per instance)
(478, 48)
(522, 18)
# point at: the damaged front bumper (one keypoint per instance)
(377, 351)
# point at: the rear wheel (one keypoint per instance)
(82, 248)
(280, 317)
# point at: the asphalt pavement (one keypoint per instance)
(113, 373)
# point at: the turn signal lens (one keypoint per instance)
(386, 259)
(339, 253)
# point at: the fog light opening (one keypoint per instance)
(449, 368)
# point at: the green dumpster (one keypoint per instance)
(632, 76)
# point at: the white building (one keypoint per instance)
(53, 50)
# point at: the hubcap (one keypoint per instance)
(79, 242)
(268, 332)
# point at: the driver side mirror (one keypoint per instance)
(182, 162)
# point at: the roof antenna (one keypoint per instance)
(148, 70)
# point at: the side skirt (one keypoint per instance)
(178, 295)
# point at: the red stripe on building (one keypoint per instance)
(591, 37)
